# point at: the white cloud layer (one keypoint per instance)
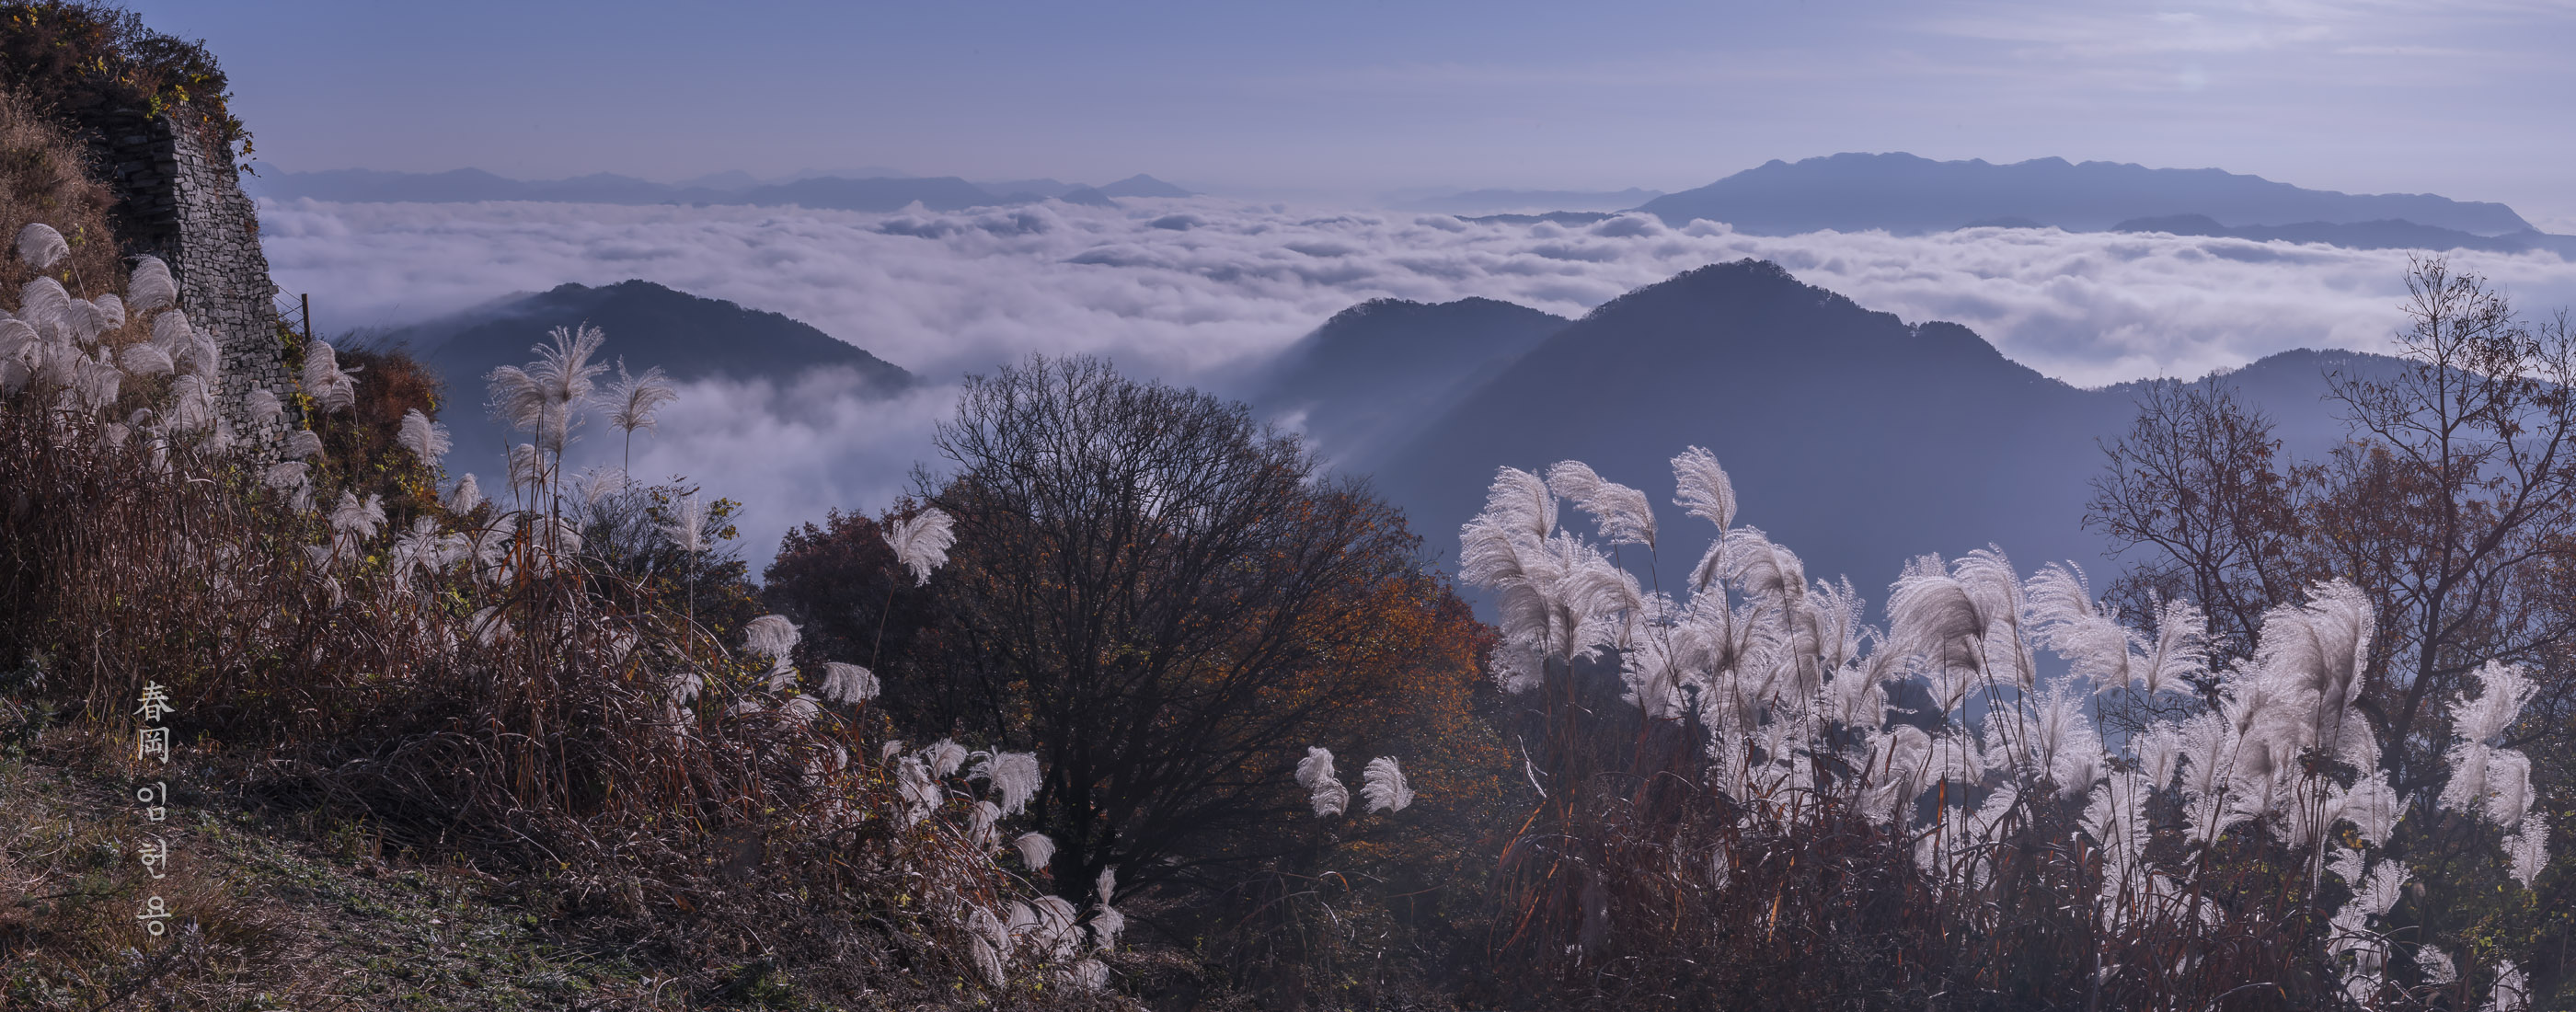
(1204, 290)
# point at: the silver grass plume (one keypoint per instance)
(2526, 850)
(564, 371)
(466, 495)
(944, 757)
(262, 407)
(303, 444)
(1106, 922)
(287, 476)
(1383, 785)
(2321, 649)
(150, 286)
(2512, 989)
(192, 407)
(41, 247)
(687, 528)
(1036, 850)
(2063, 617)
(325, 381)
(633, 400)
(1622, 513)
(771, 636)
(111, 311)
(921, 794)
(2488, 781)
(1015, 774)
(145, 359)
(358, 518)
(2437, 965)
(87, 320)
(427, 440)
(1325, 792)
(847, 683)
(921, 543)
(45, 306)
(1703, 488)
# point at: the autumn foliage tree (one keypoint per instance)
(1165, 602)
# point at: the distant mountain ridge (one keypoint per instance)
(874, 193)
(648, 325)
(1906, 194)
(1854, 438)
(2390, 234)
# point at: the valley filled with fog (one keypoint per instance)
(1207, 291)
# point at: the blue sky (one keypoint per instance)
(1322, 98)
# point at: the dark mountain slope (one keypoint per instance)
(1906, 194)
(648, 325)
(1374, 374)
(1854, 438)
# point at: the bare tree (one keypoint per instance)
(1163, 600)
(2452, 503)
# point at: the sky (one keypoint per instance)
(1331, 100)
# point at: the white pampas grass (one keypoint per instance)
(262, 406)
(143, 359)
(2437, 965)
(1325, 792)
(1383, 785)
(2512, 990)
(1704, 490)
(687, 528)
(2320, 649)
(1015, 774)
(1622, 513)
(464, 496)
(357, 518)
(1036, 850)
(944, 756)
(149, 286)
(192, 407)
(330, 386)
(563, 371)
(111, 311)
(303, 444)
(921, 543)
(847, 683)
(2526, 850)
(42, 247)
(47, 307)
(427, 440)
(771, 636)
(286, 476)
(633, 400)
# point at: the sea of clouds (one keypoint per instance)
(1204, 291)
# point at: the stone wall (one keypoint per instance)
(178, 198)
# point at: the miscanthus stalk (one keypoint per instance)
(920, 544)
(633, 402)
(1795, 695)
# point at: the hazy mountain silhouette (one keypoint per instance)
(1142, 185)
(891, 192)
(2391, 234)
(1480, 201)
(648, 325)
(1374, 374)
(1854, 438)
(1906, 194)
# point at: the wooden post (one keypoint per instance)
(307, 300)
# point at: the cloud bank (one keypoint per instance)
(1205, 290)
